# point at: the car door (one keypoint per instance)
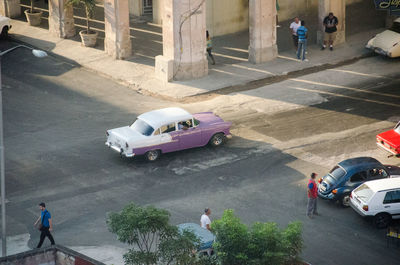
(357, 179)
(391, 203)
(189, 136)
(167, 138)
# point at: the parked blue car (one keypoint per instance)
(351, 173)
(206, 237)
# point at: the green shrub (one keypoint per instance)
(261, 244)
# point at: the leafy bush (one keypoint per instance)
(261, 244)
(154, 240)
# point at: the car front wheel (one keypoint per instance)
(4, 33)
(152, 155)
(382, 220)
(345, 200)
(217, 139)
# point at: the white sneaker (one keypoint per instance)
(305, 60)
(278, 26)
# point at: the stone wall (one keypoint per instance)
(55, 255)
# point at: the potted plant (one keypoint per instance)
(88, 37)
(34, 17)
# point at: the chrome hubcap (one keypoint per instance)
(217, 140)
(153, 155)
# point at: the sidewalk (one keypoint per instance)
(141, 77)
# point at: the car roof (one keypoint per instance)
(157, 118)
(383, 184)
(360, 163)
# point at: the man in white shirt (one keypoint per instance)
(293, 29)
(205, 219)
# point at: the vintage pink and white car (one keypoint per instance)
(168, 130)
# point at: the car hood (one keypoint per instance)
(386, 40)
(391, 137)
(393, 171)
(124, 134)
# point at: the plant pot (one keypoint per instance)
(34, 19)
(88, 39)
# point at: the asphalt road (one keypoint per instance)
(56, 115)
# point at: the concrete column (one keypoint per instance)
(338, 7)
(117, 42)
(262, 31)
(158, 11)
(61, 19)
(10, 8)
(184, 41)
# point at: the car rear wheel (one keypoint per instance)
(382, 220)
(345, 200)
(152, 155)
(4, 33)
(217, 139)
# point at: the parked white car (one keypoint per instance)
(5, 26)
(379, 199)
(387, 42)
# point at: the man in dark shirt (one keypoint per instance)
(330, 22)
(46, 225)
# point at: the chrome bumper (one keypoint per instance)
(119, 150)
(386, 148)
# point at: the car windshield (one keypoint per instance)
(142, 127)
(337, 172)
(396, 27)
(364, 192)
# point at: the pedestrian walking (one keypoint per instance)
(205, 220)
(330, 22)
(209, 47)
(312, 193)
(302, 34)
(45, 225)
(293, 29)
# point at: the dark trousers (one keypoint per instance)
(45, 232)
(295, 40)
(210, 55)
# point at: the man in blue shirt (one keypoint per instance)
(302, 33)
(46, 225)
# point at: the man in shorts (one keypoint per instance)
(330, 22)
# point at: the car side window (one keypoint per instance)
(392, 197)
(168, 128)
(184, 125)
(360, 176)
(196, 122)
(157, 132)
(376, 173)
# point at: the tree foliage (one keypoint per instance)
(154, 240)
(261, 244)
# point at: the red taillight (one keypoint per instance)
(365, 208)
(334, 191)
(320, 180)
(351, 195)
